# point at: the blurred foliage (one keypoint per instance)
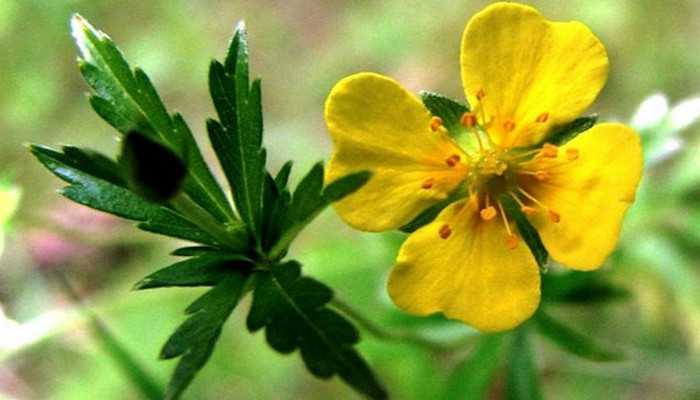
(302, 49)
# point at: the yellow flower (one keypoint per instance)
(523, 76)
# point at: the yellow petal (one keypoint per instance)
(377, 125)
(591, 195)
(529, 69)
(471, 275)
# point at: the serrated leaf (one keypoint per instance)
(195, 339)
(569, 131)
(128, 101)
(293, 311)
(105, 196)
(203, 270)
(527, 232)
(450, 111)
(572, 341)
(153, 170)
(471, 378)
(237, 139)
(521, 375)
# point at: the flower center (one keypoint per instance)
(500, 173)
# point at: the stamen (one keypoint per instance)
(527, 210)
(452, 160)
(468, 120)
(445, 231)
(554, 216)
(435, 123)
(509, 125)
(572, 154)
(542, 118)
(512, 241)
(480, 94)
(542, 175)
(488, 213)
(428, 183)
(549, 150)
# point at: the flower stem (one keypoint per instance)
(141, 379)
(393, 335)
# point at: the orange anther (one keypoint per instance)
(512, 241)
(445, 231)
(509, 125)
(554, 216)
(468, 120)
(488, 213)
(549, 150)
(542, 176)
(542, 118)
(428, 183)
(435, 123)
(527, 210)
(452, 160)
(480, 94)
(571, 154)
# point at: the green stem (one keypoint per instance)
(200, 217)
(141, 379)
(393, 335)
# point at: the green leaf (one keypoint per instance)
(154, 171)
(194, 340)
(282, 177)
(194, 251)
(450, 111)
(427, 216)
(527, 231)
(204, 270)
(572, 341)
(569, 131)
(105, 196)
(577, 287)
(128, 101)
(309, 199)
(237, 139)
(472, 377)
(521, 376)
(293, 311)
(345, 185)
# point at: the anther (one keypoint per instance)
(554, 216)
(509, 125)
(527, 210)
(445, 231)
(488, 213)
(480, 94)
(435, 123)
(549, 150)
(542, 175)
(428, 183)
(542, 118)
(468, 120)
(571, 154)
(452, 160)
(512, 241)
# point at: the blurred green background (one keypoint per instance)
(300, 49)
